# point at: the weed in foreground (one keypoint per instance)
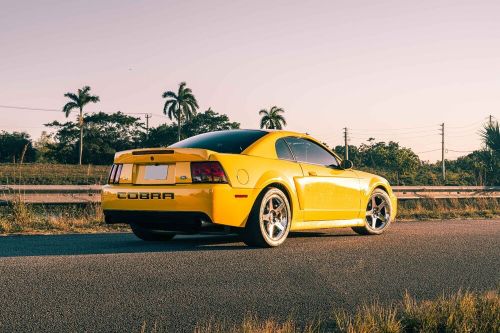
(460, 312)
(19, 217)
(449, 208)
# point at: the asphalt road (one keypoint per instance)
(114, 282)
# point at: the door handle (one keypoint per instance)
(313, 173)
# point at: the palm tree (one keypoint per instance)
(78, 101)
(491, 136)
(272, 119)
(180, 105)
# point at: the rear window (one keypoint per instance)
(230, 142)
(283, 151)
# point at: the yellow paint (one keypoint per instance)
(320, 197)
(312, 225)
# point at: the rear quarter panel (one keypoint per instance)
(254, 173)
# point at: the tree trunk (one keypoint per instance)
(179, 124)
(81, 136)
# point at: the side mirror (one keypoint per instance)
(346, 164)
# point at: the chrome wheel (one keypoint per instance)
(378, 211)
(269, 221)
(274, 216)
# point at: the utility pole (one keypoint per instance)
(491, 120)
(442, 152)
(147, 124)
(346, 145)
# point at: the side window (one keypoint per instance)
(310, 152)
(283, 151)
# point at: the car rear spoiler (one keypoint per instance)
(162, 155)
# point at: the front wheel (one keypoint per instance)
(151, 235)
(378, 214)
(269, 222)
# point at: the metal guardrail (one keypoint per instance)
(84, 194)
(50, 194)
(445, 192)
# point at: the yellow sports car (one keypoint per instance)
(260, 183)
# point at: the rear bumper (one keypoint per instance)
(177, 204)
(127, 216)
(190, 222)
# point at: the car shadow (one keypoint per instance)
(115, 243)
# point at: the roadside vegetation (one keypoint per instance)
(19, 217)
(52, 174)
(461, 312)
(94, 138)
(107, 133)
(428, 209)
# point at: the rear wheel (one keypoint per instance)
(150, 234)
(378, 214)
(269, 222)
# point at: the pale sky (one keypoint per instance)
(392, 70)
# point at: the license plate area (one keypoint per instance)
(156, 172)
(151, 174)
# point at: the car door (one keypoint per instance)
(325, 191)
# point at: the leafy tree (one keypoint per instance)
(491, 136)
(16, 147)
(354, 154)
(180, 105)
(161, 136)
(42, 146)
(272, 119)
(397, 164)
(208, 121)
(78, 101)
(399, 160)
(105, 135)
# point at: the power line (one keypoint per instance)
(397, 129)
(461, 151)
(21, 127)
(427, 151)
(468, 125)
(462, 136)
(60, 110)
(29, 109)
(394, 136)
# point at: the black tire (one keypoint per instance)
(256, 232)
(380, 226)
(151, 235)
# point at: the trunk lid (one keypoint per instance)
(159, 166)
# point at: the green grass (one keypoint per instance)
(460, 312)
(52, 174)
(425, 209)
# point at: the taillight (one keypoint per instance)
(207, 172)
(114, 174)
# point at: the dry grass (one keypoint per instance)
(23, 218)
(448, 208)
(52, 174)
(461, 312)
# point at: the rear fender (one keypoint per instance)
(271, 178)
